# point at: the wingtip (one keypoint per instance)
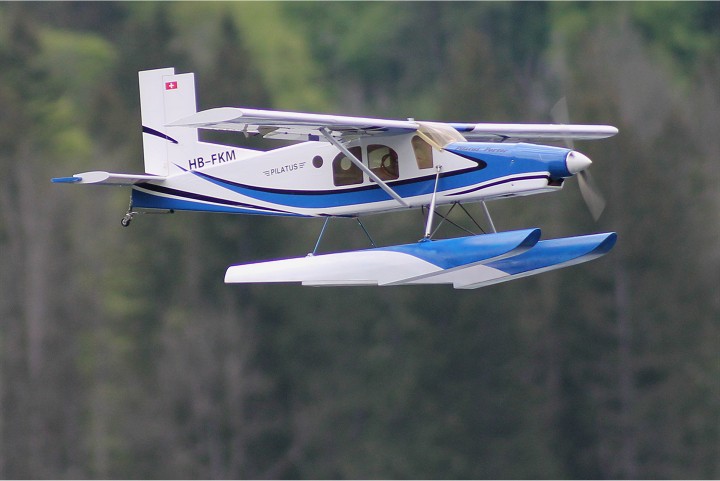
(65, 180)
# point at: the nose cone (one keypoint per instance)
(577, 162)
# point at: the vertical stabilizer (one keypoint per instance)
(164, 98)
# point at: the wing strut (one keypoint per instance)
(431, 211)
(326, 133)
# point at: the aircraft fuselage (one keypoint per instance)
(316, 179)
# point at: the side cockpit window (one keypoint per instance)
(423, 153)
(344, 171)
(383, 162)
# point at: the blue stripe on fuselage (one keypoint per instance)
(320, 199)
(181, 200)
(494, 161)
(366, 194)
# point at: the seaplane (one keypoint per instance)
(343, 166)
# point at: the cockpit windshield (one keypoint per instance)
(439, 135)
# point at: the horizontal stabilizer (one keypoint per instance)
(106, 178)
(466, 262)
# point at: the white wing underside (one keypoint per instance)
(307, 126)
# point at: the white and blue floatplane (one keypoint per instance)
(353, 166)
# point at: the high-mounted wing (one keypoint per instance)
(291, 125)
(308, 126)
(503, 132)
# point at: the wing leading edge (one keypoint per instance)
(466, 262)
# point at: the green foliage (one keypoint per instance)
(79, 63)
(688, 33)
(122, 354)
(289, 72)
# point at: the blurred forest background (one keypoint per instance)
(123, 354)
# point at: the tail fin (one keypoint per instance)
(165, 97)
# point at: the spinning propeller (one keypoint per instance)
(588, 188)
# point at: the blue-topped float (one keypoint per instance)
(465, 262)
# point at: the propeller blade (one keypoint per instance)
(588, 188)
(591, 194)
(560, 115)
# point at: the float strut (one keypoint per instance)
(487, 214)
(372, 242)
(322, 231)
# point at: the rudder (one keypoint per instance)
(165, 97)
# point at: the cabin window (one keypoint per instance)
(344, 171)
(423, 153)
(383, 161)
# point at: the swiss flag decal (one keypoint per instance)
(171, 85)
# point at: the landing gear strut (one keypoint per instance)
(128, 217)
(130, 214)
(445, 218)
(322, 232)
